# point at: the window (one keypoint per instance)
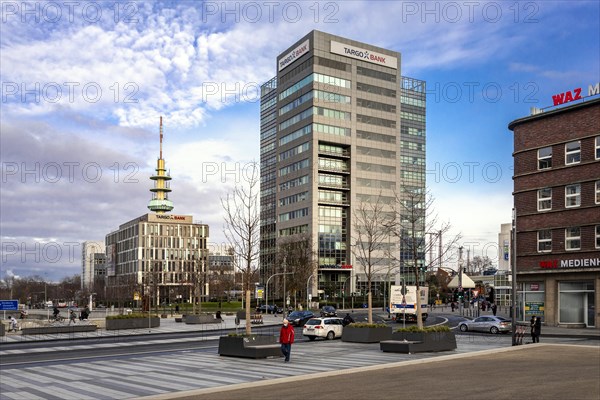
(544, 199)
(573, 152)
(545, 158)
(598, 236)
(598, 148)
(573, 195)
(597, 192)
(573, 238)
(544, 241)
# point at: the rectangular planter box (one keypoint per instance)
(51, 330)
(200, 319)
(252, 347)
(366, 335)
(419, 342)
(2, 329)
(131, 323)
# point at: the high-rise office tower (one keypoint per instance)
(340, 126)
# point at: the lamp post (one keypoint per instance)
(308, 280)
(267, 289)
(344, 292)
(460, 265)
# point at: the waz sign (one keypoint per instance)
(575, 94)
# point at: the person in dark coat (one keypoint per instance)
(538, 328)
(494, 308)
(286, 338)
(532, 325)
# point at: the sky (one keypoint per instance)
(84, 85)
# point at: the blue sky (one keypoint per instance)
(83, 87)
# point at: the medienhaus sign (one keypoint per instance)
(364, 55)
(293, 55)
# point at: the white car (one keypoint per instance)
(325, 327)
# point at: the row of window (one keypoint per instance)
(332, 130)
(325, 97)
(294, 230)
(293, 199)
(572, 239)
(369, 151)
(572, 196)
(384, 169)
(294, 151)
(367, 119)
(375, 105)
(303, 212)
(371, 73)
(331, 164)
(572, 154)
(294, 167)
(376, 183)
(303, 180)
(376, 137)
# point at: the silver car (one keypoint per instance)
(487, 323)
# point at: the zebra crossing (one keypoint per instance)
(134, 376)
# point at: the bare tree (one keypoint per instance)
(480, 264)
(415, 217)
(300, 260)
(242, 229)
(372, 222)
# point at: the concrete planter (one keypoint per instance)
(366, 335)
(132, 323)
(249, 347)
(419, 342)
(200, 319)
(52, 330)
(2, 329)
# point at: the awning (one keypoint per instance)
(467, 283)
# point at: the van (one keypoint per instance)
(49, 304)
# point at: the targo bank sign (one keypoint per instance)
(575, 94)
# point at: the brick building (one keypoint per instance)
(557, 202)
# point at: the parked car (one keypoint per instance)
(299, 318)
(328, 311)
(487, 323)
(270, 309)
(327, 327)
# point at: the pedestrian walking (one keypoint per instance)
(286, 338)
(494, 309)
(72, 317)
(532, 325)
(12, 324)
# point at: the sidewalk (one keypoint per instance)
(169, 326)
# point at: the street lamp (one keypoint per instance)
(267, 289)
(308, 280)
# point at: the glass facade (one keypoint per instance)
(346, 131)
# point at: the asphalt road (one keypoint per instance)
(540, 371)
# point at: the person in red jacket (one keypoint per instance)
(286, 338)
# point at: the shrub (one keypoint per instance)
(414, 328)
(232, 334)
(129, 316)
(366, 325)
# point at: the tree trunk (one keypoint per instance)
(248, 321)
(370, 305)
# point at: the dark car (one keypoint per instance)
(270, 309)
(299, 318)
(328, 311)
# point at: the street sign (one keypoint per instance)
(9, 305)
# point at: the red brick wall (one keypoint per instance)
(556, 130)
